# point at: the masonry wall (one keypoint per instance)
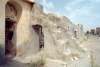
(21, 31)
(26, 42)
(25, 38)
(58, 31)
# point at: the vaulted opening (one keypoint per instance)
(10, 21)
(10, 48)
(38, 30)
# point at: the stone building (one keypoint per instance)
(98, 30)
(87, 32)
(78, 31)
(25, 29)
(92, 31)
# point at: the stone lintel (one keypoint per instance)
(30, 1)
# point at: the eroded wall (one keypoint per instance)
(21, 29)
(58, 33)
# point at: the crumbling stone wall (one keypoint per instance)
(23, 10)
(98, 31)
(58, 33)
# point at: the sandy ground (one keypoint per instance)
(92, 44)
(15, 63)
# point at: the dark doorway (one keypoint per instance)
(75, 33)
(10, 50)
(38, 30)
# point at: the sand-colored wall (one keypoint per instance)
(21, 29)
(58, 31)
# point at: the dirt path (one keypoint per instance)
(93, 44)
(16, 62)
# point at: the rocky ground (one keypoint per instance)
(91, 58)
(92, 45)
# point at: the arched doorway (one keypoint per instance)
(10, 21)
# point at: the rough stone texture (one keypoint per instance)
(59, 37)
(55, 63)
(59, 40)
(21, 26)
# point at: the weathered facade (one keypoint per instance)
(25, 29)
(14, 20)
(98, 30)
(92, 31)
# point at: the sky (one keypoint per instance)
(86, 12)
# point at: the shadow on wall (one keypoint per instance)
(2, 54)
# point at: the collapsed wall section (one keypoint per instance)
(58, 32)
